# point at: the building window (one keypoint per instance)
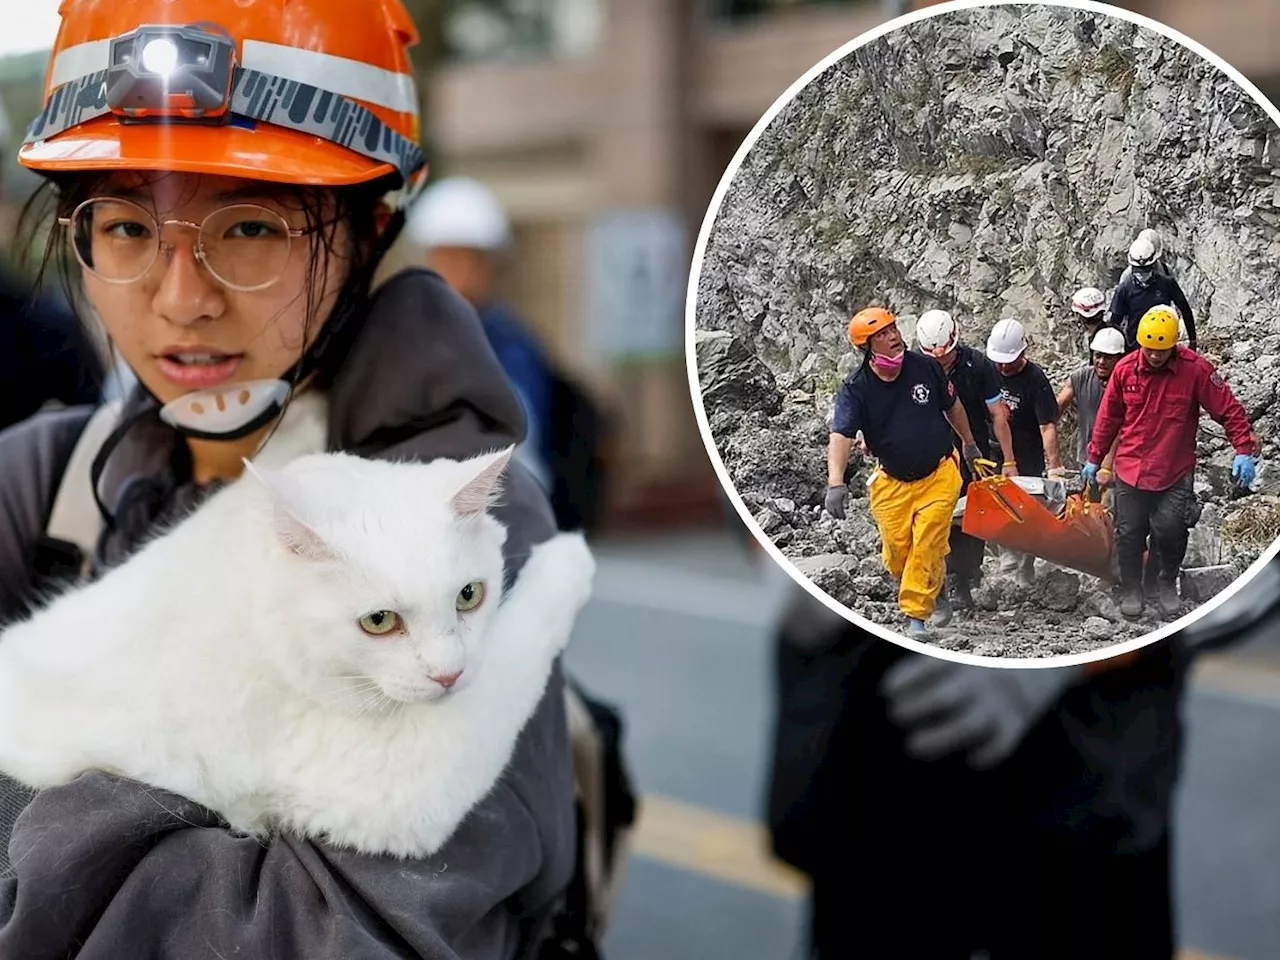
(514, 30)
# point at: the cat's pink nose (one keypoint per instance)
(446, 680)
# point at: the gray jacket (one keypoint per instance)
(104, 868)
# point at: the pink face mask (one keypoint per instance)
(888, 363)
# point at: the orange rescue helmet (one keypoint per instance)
(307, 92)
(867, 322)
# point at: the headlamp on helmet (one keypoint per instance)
(165, 70)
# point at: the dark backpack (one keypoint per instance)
(574, 449)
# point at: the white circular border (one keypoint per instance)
(691, 303)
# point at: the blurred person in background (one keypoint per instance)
(941, 809)
(465, 233)
(46, 357)
(239, 258)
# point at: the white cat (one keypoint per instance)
(324, 649)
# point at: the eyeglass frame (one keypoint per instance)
(197, 248)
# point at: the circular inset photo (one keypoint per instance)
(984, 331)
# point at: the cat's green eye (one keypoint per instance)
(469, 597)
(380, 623)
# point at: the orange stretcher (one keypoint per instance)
(1038, 517)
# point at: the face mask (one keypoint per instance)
(888, 363)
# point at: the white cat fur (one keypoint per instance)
(223, 661)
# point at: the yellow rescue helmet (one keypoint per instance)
(1158, 328)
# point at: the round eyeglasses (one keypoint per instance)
(244, 246)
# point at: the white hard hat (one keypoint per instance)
(1007, 341)
(1088, 302)
(1108, 340)
(1153, 238)
(937, 332)
(458, 212)
(1142, 253)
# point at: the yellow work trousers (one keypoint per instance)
(915, 532)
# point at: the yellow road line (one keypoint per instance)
(1255, 679)
(715, 845)
(731, 850)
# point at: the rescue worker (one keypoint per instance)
(977, 386)
(240, 256)
(1150, 411)
(1158, 265)
(464, 231)
(1089, 305)
(1143, 289)
(1083, 390)
(905, 408)
(1033, 420)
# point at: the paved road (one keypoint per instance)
(673, 638)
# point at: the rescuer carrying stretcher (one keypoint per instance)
(905, 409)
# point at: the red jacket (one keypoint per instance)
(1156, 414)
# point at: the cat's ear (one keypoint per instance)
(294, 533)
(478, 492)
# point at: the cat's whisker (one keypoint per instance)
(336, 697)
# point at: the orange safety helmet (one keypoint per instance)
(867, 322)
(308, 92)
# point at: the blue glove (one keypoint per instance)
(1090, 474)
(1243, 470)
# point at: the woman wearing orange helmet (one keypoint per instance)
(905, 408)
(224, 178)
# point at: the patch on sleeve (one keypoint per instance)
(1216, 379)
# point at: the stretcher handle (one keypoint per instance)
(984, 468)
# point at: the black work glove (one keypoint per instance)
(834, 501)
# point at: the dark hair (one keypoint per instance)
(324, 208)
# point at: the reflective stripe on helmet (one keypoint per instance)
(257, 96)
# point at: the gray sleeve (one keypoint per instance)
(33, 455)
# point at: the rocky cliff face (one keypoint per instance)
(989, 162)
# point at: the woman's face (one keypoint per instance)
(178, 326)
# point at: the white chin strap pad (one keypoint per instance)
(224, 410)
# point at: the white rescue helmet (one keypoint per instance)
(1007, 341)
(937, 333)
(458, 212)
(1088, 302)
(1153, 238)
(1108, 340)
(1142, 252)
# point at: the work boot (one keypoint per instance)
(961, 594)
(917, 629)
(1170, 602)
(1131, 602)
(941, 610)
